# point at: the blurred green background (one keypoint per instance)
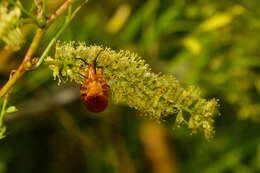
(210, 44)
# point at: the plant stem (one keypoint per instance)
(21, 69)
(48, 48)
(68, 19)
(32, 49)
(3, 111)
(59, 11)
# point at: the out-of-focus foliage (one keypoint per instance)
(210, 44)
(10, 33)
(224, 46)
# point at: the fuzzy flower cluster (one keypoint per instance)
(9, 32)
(133, 83)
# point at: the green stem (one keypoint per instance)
(3, 110)
(21, 69)
(51, 43)
(33, 47)
(68, 19)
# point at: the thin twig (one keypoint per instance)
(33, 47)
(21, 69)
(3, 110)
(59, 11)
(68, 19)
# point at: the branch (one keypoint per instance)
(68, 19)
(33, 47)
(60, 10)
(21, 69)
